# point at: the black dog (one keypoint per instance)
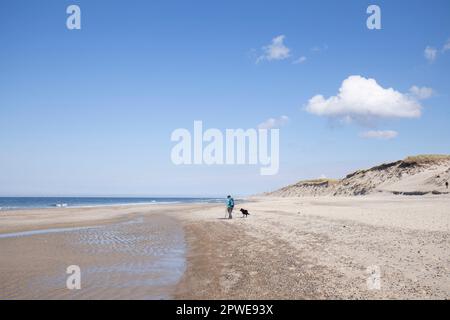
(244, 213)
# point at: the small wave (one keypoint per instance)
(60, 205)
(8, 208)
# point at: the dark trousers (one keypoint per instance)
(230, 210)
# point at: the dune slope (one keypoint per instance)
(418, 175)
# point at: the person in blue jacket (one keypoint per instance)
(230, 206)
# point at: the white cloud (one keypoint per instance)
(274, 123)
(421, 92)
(300, 60)
(379, 134)
(275, 51)
(430, 53)
(362, 99)
(322, 176)
(446, 46)
(318, 49)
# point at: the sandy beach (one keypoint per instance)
(288, 248)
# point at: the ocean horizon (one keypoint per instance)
(16, 203)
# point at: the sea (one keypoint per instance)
(16, 203)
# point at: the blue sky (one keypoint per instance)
(91, 111)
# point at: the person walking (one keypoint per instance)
(446, 184)
(230, 206)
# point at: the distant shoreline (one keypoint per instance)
(32, 203)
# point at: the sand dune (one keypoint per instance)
(425, 174)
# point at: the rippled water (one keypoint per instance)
(139, 259)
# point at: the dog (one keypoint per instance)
(245, 213)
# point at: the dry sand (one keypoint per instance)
(289, 248)
(321, 248)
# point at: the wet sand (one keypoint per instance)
(126, 252)
(297, 248)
